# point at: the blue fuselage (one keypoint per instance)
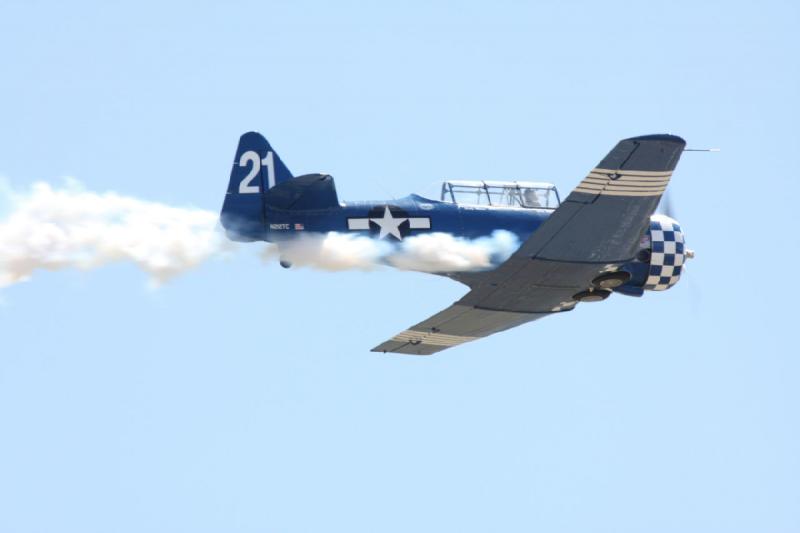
(404, 217)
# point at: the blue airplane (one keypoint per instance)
(603, 238)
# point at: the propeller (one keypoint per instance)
(666, 206)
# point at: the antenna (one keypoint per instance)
(701, 150)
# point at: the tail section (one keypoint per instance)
(256, 169)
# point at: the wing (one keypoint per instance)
(596, 229)
(455, 325)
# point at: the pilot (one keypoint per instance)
(531, 198)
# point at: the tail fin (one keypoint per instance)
(256, 169)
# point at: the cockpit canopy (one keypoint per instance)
(527, 194)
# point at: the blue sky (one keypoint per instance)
(243, 397)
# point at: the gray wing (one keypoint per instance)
(596, 229)
(455, 325)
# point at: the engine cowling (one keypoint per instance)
(660, 259)
(667, 253)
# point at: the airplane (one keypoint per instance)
(603, 237)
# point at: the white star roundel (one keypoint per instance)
(388, 224)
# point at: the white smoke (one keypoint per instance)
(332, 252)
(442, 252)
(432, 252)
(52, 229)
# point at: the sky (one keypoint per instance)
(243, 397)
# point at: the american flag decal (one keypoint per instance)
(299, 227)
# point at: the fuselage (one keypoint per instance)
(412, 215)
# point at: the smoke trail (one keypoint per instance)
(332, 252)
(53, 229)
(442, 252)
(433, 252)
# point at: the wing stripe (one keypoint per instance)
(435, 339)
(592, 186)
(628, 178)
(622, 187)
(626, 172)
(619, 193)
(614, 187)
(624, 182)
(631, 183)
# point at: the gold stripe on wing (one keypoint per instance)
(595, 186)
(447, 340)
(410, 333)
(628, 179)
(642, 191)
(630, 193)
(633, 193)
(643, 173)
(594, 181)
(595, 189)
(643, 178)
(628, 187)
(624, 183)
(634, 183)
(433, 339)
(636, 187)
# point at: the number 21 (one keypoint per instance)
(251, 157)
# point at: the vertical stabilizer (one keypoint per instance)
(256, 169)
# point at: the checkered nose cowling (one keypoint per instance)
(668, 253)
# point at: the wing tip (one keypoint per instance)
(660, 137)
(407, 349)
